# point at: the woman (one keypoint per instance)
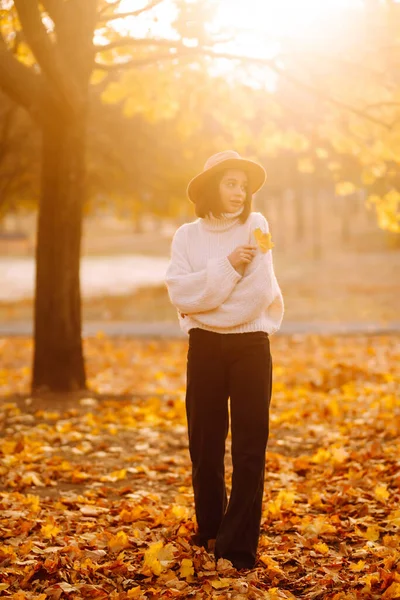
(229, 303)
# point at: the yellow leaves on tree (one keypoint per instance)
(345, 188)
(154, 93)
(305, 165)
(387, 209)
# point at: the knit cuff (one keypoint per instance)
(231, 271)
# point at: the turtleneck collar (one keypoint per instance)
(222, 223)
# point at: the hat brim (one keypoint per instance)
(255, 172)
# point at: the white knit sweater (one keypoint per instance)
(208, 292)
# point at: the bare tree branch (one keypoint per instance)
(107, 6)
(263, 62)
(382, 105)
(48, 55)
(357, 67)
(132, 13)
(76, 38)
(149, 60)
(19, 82)
(130, 41)
(272, 64)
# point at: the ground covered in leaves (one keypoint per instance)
(95, 491)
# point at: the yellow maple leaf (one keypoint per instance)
(275, 593)
(369, 579)
(284, 499)
(6, 551)
(118, 542)
(134, 514)
(181, 512)
(221, 583)
(316, 526)
(359, 566)
(115, 475)
(49, 530)
(339, 455)
(321, 456)
(321, 547)
(394, 518)
(393, 591)
(134, 592)
(150, 557)
(372, 533)
(381, 492)
(263, 240)
(120, 474)
(315, 498)
(157, 556)
(271, 563)
(187, 569)
(183, 530)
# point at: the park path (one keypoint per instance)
(170, 329)
(99, 274)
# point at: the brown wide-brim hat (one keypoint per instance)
(229, 159)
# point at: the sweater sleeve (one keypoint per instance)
(198, 291)
(258, 290)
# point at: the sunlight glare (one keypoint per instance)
(258, 25)
(280, 18)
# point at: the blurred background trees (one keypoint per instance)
(112, 106)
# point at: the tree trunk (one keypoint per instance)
(58, 357)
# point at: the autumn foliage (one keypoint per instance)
(96, 497)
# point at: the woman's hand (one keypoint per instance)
(239, 259)
(242, 256)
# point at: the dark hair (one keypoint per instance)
(210, 199)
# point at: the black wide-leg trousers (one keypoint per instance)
(222, 366)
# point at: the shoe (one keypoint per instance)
(237, 563)
(206, 543)
(198, 540)
(242, 567)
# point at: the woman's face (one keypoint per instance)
(233, 190)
